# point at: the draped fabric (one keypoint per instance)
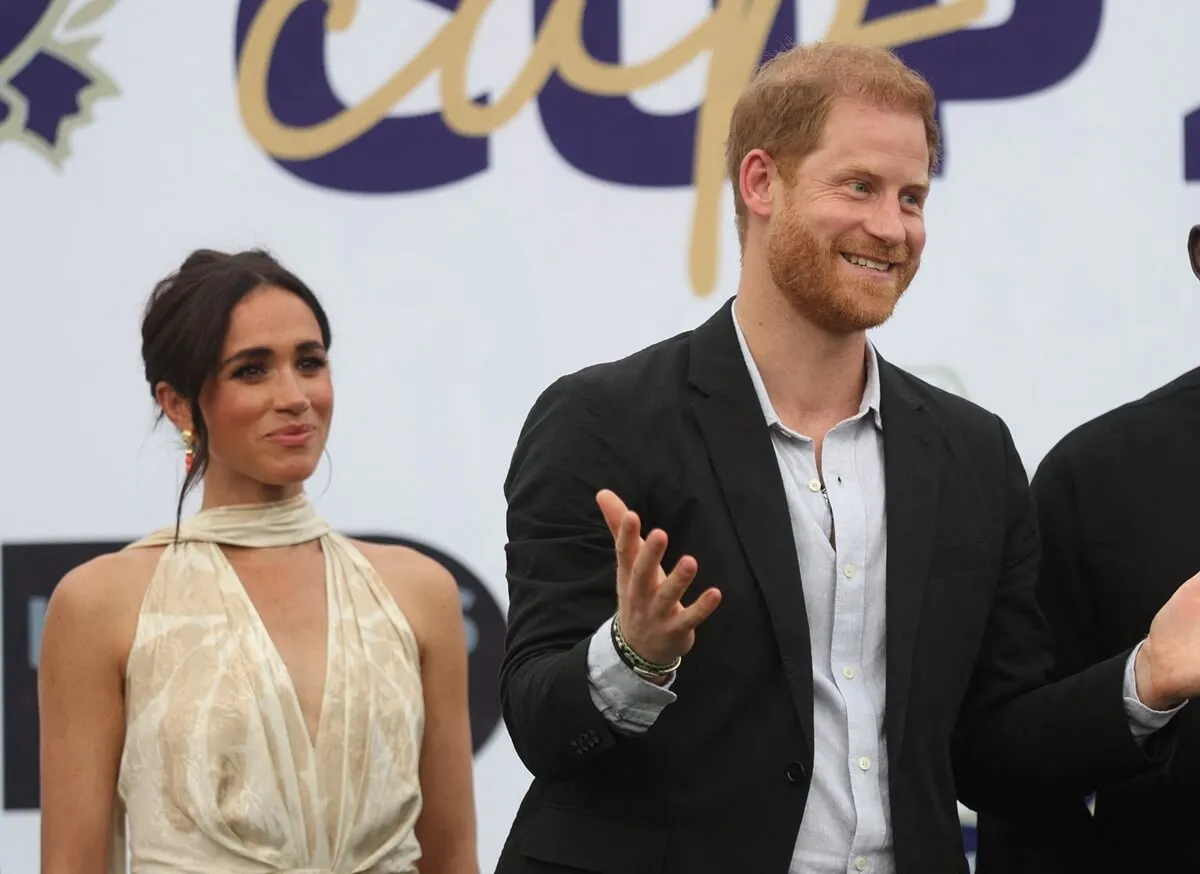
(219, 771)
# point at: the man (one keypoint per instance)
(1119, 531)
(860, 642)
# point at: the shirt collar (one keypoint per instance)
(868, 404)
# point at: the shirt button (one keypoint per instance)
(795, 772)
(864, 763)
(860, 863)
(848, 570)
(848, 673)
(814, 485)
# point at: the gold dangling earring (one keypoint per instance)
(189, 449)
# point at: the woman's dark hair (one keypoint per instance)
(1194, 249)
(187, 318)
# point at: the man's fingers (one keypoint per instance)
(629, 541)
(645, 571)
(699, 610)
(613, 508)
(676, 583)
(623, 524)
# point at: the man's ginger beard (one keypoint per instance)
(809, 275)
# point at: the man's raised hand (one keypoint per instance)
(653, 622)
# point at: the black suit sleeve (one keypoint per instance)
(1017, 736)
(1051, 834)
(561, 571)
(1063, 592)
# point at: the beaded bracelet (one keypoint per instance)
(646, 669)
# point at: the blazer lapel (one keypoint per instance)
(913, 448)
(739, 446)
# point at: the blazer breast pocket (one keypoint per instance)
(567, 840)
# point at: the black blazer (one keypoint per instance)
(1116, 499)
(719, 783)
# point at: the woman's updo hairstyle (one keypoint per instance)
(187, 318)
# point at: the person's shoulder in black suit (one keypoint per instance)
(1146, 421)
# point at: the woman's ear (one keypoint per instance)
(174, 406)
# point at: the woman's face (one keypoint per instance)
(269, 405)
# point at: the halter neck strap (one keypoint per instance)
(280, 523)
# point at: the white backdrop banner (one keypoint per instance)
(489, 194)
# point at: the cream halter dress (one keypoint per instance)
(219, 774)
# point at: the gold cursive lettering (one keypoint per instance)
(734, 34)
(340, 14)
(902, 28)
(562, 21)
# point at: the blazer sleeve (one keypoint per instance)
(1051, 834)
(561, 572)
(1020, 736)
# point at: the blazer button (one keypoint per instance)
(795, 772)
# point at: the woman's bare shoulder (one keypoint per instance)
(107, 588)
(424, 589)
(408, 567)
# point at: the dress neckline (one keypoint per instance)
(276, 523)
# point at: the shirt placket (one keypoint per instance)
(848, 510)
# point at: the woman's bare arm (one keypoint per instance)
(428, 595)
(81, 719)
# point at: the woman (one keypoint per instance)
(255, 692)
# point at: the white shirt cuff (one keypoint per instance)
(626, 700)
(1142, 720)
